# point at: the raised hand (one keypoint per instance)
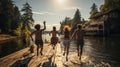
(44, 22)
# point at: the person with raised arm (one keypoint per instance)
(38, 37)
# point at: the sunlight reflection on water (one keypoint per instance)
(97, 52)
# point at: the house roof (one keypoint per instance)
(103, 13)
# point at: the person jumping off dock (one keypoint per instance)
(38, 37)
(78, 34)
(66, 41)
(54, 38)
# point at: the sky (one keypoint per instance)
(54, 11)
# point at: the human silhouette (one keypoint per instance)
(78, 35)
(66, 41)
(54, 38)
(38, 37)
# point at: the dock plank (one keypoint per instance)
(31, 60)
(10, 59)
(38, 61)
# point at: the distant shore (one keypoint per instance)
(6, 37)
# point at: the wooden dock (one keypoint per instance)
(24, 58)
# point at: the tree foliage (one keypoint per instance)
(16, 19)
(77, 19)
(11, 20)
(8, 16)
(27, 18)
(94, 10)
(110, 4)
(18, 30)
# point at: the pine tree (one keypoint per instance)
(76, 20)
(94, 10)
(16, 18)
(6, 15)
(27, 20)
(77, 17)
(27, 16)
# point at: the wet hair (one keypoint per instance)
(79, 26)
(54, 28)
(37, 26)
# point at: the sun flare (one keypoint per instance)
(61, 1)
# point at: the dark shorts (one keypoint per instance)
(54, 40)
(39, 42)
(80, 42)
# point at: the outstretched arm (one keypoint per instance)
(31, 36)
(50, 33)
(44, 26)
(73, 35)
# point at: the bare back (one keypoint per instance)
(79, 34)
(54, 33)
(38, 35)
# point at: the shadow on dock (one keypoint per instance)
(49, 63)
(22, 63)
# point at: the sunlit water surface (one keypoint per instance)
(97, 51)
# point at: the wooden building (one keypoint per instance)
(104, 24)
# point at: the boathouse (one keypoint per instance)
(104, 23)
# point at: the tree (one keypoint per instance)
(16, 18)
(110, 4)
(27, 18)
(6, 15)
(1, 7)
(77, 17)
(18, 30)
(76, 20)
(94, 10)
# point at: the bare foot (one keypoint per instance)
(64, 54)
(78, 54)
(80, 59)
(66, 58)
(41, 53)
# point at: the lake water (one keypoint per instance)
(11, 46)
(97, 51)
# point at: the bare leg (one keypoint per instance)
(38, 47)
(53, 46)
(41, 49)
(81, 50)
(67, 52)
(64, 49)
(78, 49)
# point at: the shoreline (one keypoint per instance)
(6, 37)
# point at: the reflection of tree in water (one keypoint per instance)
(7, 48)
(12, 46)
(26, 39)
